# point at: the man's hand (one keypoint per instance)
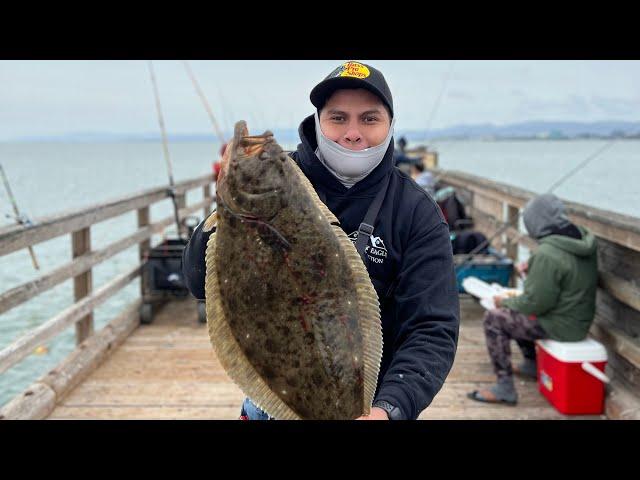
(497, 300)
(376, 414)
(522, 269)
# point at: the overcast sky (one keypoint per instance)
(42, 98)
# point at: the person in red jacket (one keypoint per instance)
(217, 165)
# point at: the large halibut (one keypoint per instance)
(291, 311)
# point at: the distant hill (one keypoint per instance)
(532, 129)
(525, 130)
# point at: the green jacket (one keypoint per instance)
(560, 288)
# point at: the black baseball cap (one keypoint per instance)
(352, 75)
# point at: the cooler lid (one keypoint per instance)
(588, 350)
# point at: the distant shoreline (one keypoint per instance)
(410, 141)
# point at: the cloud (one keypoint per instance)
(615, 107)
(574, 106)
(459, 95)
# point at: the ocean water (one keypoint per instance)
(50, 178)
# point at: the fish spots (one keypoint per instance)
(268, 372)
(284, 330)
(270, 346)
(303, 322)
(309, 338)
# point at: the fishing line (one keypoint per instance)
(439, 98)
(207, 107)
(19, 218)
(514, 219)
(171, 192)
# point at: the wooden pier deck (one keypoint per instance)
(168, 370)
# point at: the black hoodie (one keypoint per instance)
(410, 262)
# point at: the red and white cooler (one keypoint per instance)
(571, 375)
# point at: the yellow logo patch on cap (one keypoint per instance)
(353, 69)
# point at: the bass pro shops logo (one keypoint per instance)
(375, 249)
(351, 69)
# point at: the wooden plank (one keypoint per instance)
(622, 404)
(19, 237)
(624, 372)
(23, 347)
(513, 214)
(610, 311)
(22, 293)
(157, 394)
(621, 229)
(92, 353)
(615, 340)
(206, 194)
(515, 196)
(82, 283)
(488, 206)
(34, 404)
(622, 261)
(73, 369)
(521, 238)
(618, 228)
(181, 202)
(625, 291)
(216, 412)
(144, 217)
(499, 412)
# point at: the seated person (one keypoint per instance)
(558, 301)
(422, 177)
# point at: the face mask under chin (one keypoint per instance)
(349, 166)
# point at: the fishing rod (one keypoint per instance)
(171, 191)
(512, 222)
(439, 98)
(207, 107)
(21, 219)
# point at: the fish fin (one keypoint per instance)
(228, 351)
(368, 318)
(210, 222)
(312, 191)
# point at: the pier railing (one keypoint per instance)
(617, 318)
(41, 397)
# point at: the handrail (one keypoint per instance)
(21, 236)
(617, 318)
(77, 222)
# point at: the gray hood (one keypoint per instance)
(544, 214)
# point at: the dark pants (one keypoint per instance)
(500, 326)
(250, 411)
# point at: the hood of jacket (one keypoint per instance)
(583, 247)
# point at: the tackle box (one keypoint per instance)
(492, 267)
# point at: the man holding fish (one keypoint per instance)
(346, 153)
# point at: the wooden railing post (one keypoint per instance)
(181, 202)
(512, 243)
(82, 284)
(144, 247)
(206, 193)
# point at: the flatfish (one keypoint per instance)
(292, 314)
